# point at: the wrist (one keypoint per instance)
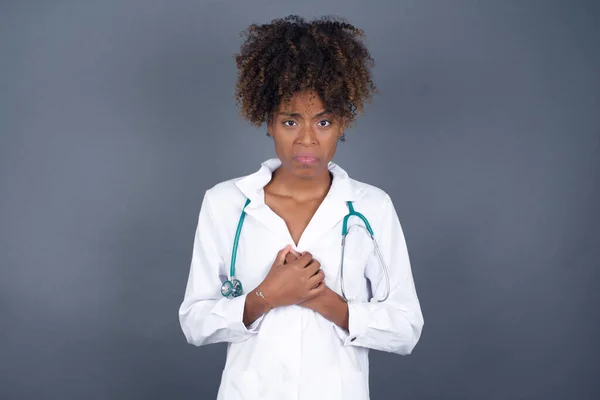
(320, 302)
(254, 308)
(260, 294)
(336, 310)
(270, 294)
(329, 300)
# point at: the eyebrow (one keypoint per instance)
(297, 115)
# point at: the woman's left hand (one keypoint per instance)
(328, 303)
(312, 303)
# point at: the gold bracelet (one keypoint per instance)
(260, 294)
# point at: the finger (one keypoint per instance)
(294, 252)
(320, 288)
(317, 278)
(290, 258)
(303, 260)
(280, 259)
(313, 267)
(316, 285)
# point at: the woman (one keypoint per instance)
(291, 333)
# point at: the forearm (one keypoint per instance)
(332, 307)
(254, 307)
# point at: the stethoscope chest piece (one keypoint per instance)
(232, 288)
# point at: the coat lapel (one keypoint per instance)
(252, 186)
(263, 214)
(331, 211)
(328, 215)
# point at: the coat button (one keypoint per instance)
(352, 339)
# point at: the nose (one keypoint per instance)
(307, 136)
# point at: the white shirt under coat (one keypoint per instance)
(293, 353)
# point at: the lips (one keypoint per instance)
(306, 158)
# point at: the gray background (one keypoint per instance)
(115, 116)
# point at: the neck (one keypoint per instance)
(286, 184)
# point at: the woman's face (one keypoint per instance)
(305, 135)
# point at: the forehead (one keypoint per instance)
(305, 101)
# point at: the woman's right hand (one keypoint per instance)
(293, 282)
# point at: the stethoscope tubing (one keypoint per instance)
(233, 287)
(379, 256)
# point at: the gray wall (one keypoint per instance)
(115, 116)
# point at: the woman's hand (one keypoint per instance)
(289, 283)
(313, 302)
(292, 256)
(328, 303)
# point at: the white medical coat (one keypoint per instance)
(293, 353)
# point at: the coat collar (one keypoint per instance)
(252, 186)
(331, 211)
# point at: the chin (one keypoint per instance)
(307, 172)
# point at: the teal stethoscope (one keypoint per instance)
(232, 287)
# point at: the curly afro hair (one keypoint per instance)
(290, 55)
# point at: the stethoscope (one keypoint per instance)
(232, 287)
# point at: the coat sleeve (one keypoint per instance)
(206, 316)
(394, 325)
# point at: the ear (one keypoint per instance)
(342, 125)
(269, 127)
(342, 136)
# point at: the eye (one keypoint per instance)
(289, 120)
(326, 121)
